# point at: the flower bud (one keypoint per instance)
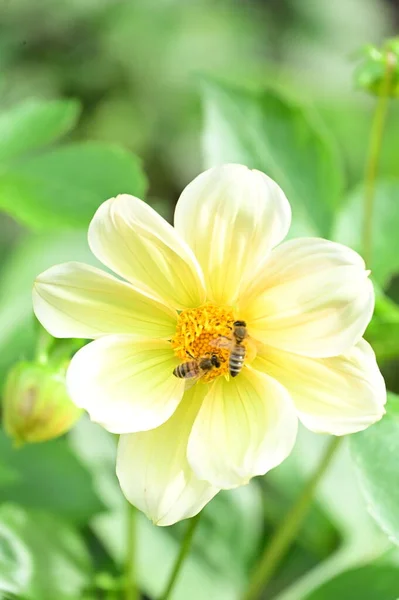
(371, 74)
(36, 405)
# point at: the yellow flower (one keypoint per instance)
(306, 305)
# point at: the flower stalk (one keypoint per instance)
(181, 557)
(131, 592)
(375, 145)
(286, 532)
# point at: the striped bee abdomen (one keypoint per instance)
(187, 370)
(236, 360)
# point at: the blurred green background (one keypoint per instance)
(132, 73)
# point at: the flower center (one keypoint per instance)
(201, 332)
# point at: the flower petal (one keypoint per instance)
(125, 384)
(313, 298)
(231, 217)
(245, 427)
(76, 300)
(133, 240)
(338, 395)
(153, 470)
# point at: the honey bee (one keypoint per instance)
(238, 351)
(196, 368)
(236, 347)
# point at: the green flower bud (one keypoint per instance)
(379, 71)
(36, 406)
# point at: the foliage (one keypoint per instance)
(40, 556)
(61, 187)
(375, 452)
(371, 72)
(267, 131)
(385, 263)
(368, 582)
(96, 99)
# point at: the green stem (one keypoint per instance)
(286, 532)
(131, 592)
(184, 550)
(43, 345)
(376, 134)
(63, 349)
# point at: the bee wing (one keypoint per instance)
(193, 380)
(222, 342)
(190, 383)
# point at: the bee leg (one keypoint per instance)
(221, 358)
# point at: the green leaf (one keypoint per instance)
(41, 557)
(50, 477)
(8, 475)
(34, 124)
(369, 582)
(33, 255)
(346, 510)
(384, 338)
(65, 186)
(317, 535)
(348, 230)
(375, 452)
(361, 539)
(266, 130)
(383, 331)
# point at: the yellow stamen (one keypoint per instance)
(204, 331)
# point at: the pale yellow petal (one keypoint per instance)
(245, 427)
(125, 384)
(76, 300)
(231, 217)
(133, 240)
(338, 395)
(153, 470)
(313, 297)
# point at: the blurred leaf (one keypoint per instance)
(267, 131)
(361, 539)
(35, 253)
(384, 338)
(349, 118)
(50, 477)
(32, 256)
(230, 534)
(318, 535)
(8, 475)
(224, 546)
(64, 187)
(383, 330)
(375, 452)
(383, 334)
(40, 556)
(348, 230)
(34, 124)
(346, 510)
(370, 582)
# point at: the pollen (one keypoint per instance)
(204, 331)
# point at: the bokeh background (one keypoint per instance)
(136, 69)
